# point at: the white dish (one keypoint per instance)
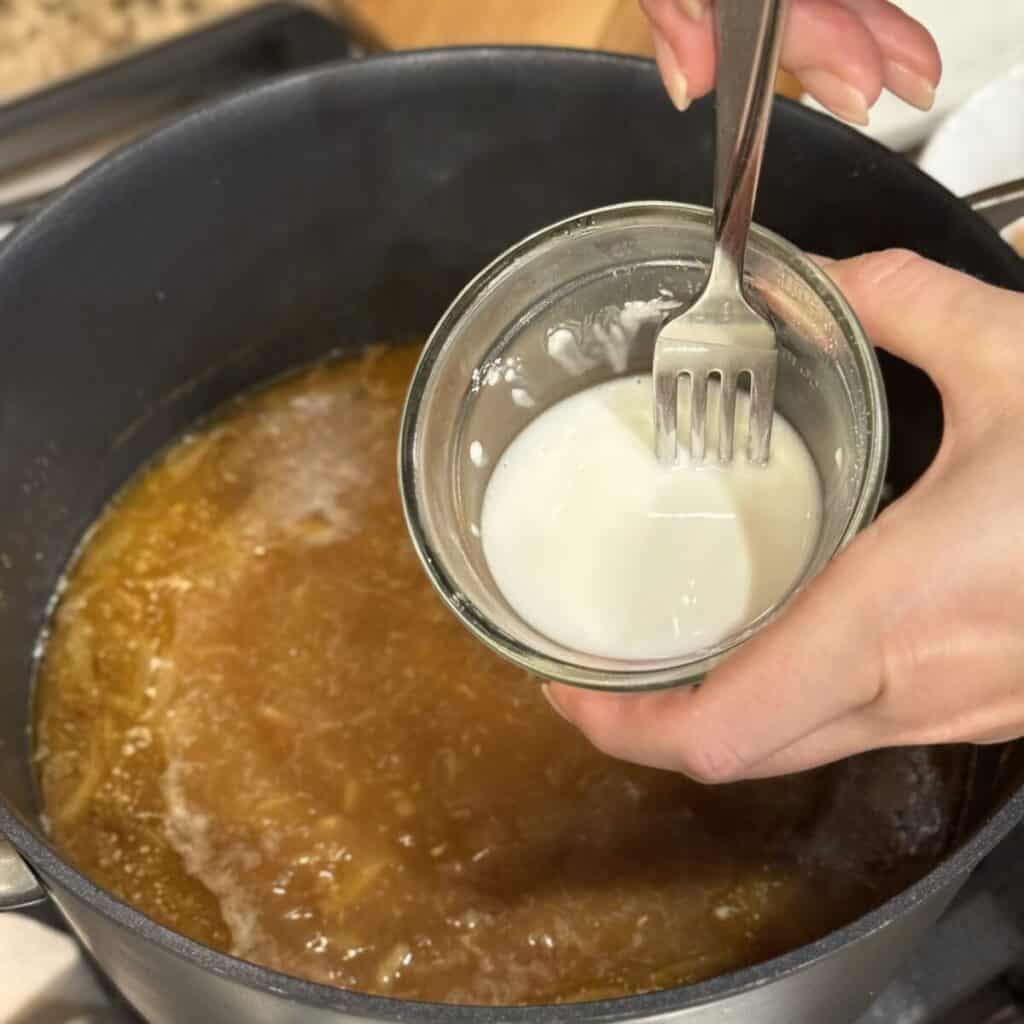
(978, 42)
(981, 144)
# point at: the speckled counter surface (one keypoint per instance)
(44, 41)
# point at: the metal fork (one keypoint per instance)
(721, 334)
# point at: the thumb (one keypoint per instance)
(947, 323)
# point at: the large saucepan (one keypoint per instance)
(347, 206)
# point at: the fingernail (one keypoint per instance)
(691, 8)
(546, 690)
(911, 87)
(839, 96)
(671, 73)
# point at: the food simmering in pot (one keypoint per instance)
(258, 724)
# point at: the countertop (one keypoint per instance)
(43, 41)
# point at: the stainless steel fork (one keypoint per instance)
(721, 335)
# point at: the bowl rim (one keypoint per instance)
(665, 672)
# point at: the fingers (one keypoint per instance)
(818, 666)
(848, 735)
(834, 56)
(826, 46)
(642, 728)
(684, 47)
(843, 53)
(911, 62)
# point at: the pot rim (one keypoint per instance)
(55, 871)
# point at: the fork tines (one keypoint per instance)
(728, 369)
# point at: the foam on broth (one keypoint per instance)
(258, 724)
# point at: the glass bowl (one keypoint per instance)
(579, 303)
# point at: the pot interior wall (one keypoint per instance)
(348, 207)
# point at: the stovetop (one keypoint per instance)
(968, 970)
(970, 967)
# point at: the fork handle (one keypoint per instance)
(748, 36)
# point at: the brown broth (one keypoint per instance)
(258, 724)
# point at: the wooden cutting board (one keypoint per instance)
(605, 24)
(616, 25)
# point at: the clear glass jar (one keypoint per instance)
(579, 303)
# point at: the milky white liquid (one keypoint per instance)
(603, 550)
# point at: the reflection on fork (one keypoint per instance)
(721, 335)
(727, 402)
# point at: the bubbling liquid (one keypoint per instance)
(258, 724)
